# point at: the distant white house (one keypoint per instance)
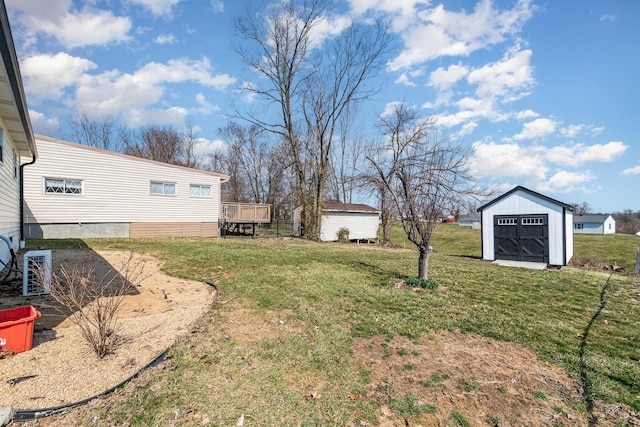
(594, 224)
(361, 220)
(75, 191)
(17, 143)
(522, 225)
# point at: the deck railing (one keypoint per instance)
(246, 213)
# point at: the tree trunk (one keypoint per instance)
(423, 261)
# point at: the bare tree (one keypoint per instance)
(581, 208)
(100, 133)
(309, 82)
(383, 160)
(346, 162)
(422, 174)
(627, 222)
(163, 144)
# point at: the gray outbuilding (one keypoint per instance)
(523, 225)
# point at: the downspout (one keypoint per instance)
(481, 234)
(564, 236)
(33, 160)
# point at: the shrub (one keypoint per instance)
(93, 300)
(343, 235)
(416, 282)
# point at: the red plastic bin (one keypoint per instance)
(16, 328)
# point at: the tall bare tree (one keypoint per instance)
(257, 165)
(163, 144)
(423, 175)
(309, 82)
(102, 133)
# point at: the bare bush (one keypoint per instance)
(94, 298)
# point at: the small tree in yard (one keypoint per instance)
(94, 299)
(421, 173)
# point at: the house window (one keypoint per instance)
(532, 221)
(163, 188)
(196, 190)
(507, 221)
(62, 186)
(578, 226)
(609, 226)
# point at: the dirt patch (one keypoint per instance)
(61, 368)
(483, 381)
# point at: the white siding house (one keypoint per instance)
(594, 224)
(75, 191)
(16, 140)
(522, 225)
(361, 220)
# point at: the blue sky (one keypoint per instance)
(545, 92)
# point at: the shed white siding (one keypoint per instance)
(361, 225)
(521, 202)
(115, 189)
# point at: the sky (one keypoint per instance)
(544, 92)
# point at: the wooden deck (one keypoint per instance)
(246, 213)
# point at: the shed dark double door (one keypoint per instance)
(521, 237)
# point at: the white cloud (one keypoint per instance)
(46, 76)
(448, 33)
(580, 154)
(508, 160)
(326, 28)
(42, 124)
(571, 131)
(70, 26)
(112, 91)
(205, 106)
(631, 171)
(505, 78)
(136, 96)
(217, 6)
(403, 79)
(565, 182)
(608, 18)
(157, 7)
(445, 78)
(526, 114)
(538, 128)
(205, 147)
(165, 39)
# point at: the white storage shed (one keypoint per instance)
(361, 220)
(523, 225)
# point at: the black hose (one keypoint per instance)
(23, 415)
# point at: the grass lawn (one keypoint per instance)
(325, 296)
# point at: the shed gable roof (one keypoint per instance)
(531, 192)
(348, 207)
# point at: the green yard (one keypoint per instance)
(333, 294)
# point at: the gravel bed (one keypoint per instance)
(61, 368)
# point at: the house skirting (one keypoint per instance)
(159, 229)
(120, 230)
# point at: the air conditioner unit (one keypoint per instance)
(36, 268)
